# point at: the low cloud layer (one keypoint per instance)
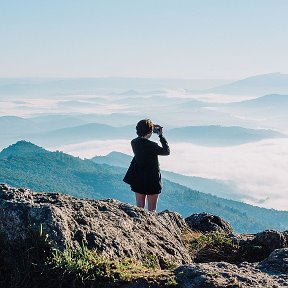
(259, 170)
(32, 106)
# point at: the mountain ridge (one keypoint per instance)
(208, 135)
(221, 135)
(266, 101)
(22, 147)
(255, 85)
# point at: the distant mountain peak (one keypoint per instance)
(261, 77)
(271, 83)
(11, 117)
(116, 153)
(130, 92)
(21, 148)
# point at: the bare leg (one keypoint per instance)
(152, 202)
(140, 200)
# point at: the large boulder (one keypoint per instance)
(258, 247)
(206, 223)
(276, 263)
(113, 228)
(271, 239)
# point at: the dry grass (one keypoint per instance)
(188, 235)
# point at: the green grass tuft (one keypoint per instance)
(213, 246)
(35, 263)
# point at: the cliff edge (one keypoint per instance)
(199, 251)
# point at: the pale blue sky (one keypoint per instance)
(150, 38)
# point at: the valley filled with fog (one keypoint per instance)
(235, 133)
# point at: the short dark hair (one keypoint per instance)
(144, 127)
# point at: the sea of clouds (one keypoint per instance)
(259, 169)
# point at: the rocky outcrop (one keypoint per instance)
(205, 222)
(269, 273)
(256, 247)
(276, 263)
(221, 274)
(116, 229)
(271, 239)
(113, 228)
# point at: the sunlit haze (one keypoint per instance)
(77, 76)
(189, 39)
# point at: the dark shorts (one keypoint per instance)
(143, 181)
(148, 185)
(145, 192)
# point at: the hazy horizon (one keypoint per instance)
(67, 64)
(159, 39)
(256, 169)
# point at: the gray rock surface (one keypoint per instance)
(221, 274)
(117, 229)
(113, 228)
(205, 222)
(276, 263)
(271, 239)
(257, 247)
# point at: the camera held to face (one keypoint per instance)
(157, 129)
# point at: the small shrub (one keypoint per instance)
(150, 261)
(214, 247)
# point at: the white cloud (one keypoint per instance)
(72, 104)
(91, 149)
(258, 169)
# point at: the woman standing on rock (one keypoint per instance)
(143, 174)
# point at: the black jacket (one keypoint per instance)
(143, 173)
